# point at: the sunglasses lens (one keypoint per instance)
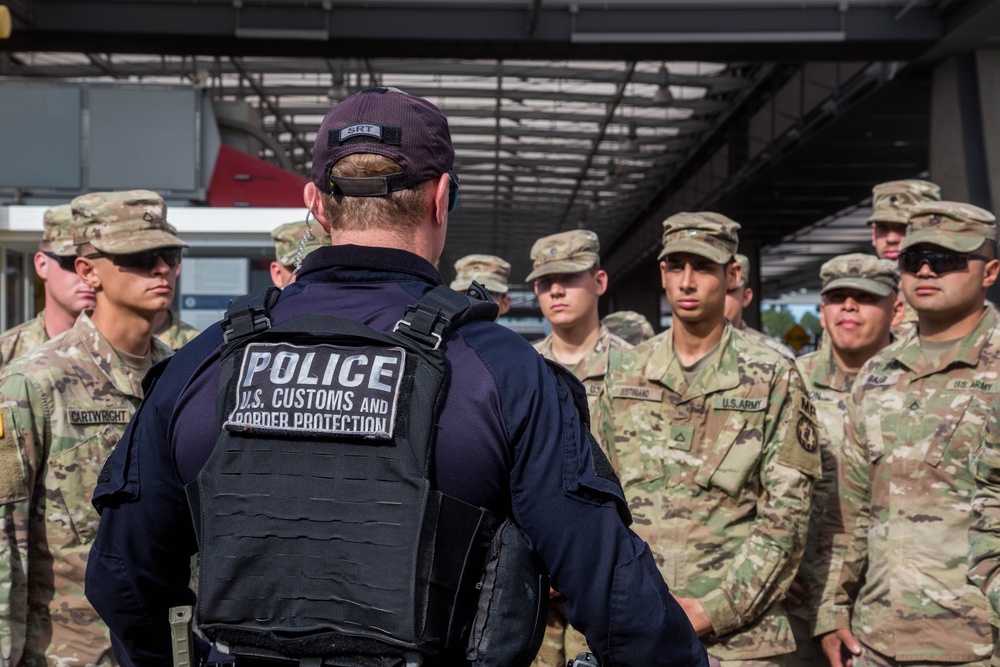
(148, 259)
(939, 262)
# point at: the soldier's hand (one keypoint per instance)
(840, 647)
(696, 614)
(797, 595)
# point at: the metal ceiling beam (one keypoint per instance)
(296, 137)
(608, 117)
(481, 30)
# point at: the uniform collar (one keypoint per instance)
(343, 262)
(827, 372)
(594, 363)
(967, 352)
(90, 339)
(723, 373)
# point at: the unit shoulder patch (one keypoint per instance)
(13, 486)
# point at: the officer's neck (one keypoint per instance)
(693, 340)
(422, 244)
(125, 329)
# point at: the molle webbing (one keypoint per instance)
(334, 545)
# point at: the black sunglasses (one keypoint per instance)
(145, 260)
(453, 183)
(65, 263)
(940, 261)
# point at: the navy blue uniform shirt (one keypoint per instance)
(510, 439)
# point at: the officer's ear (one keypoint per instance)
(313, 200)
(442, 194)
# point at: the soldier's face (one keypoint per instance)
(858, 322)
(886, 237)
(567, 299)
(64, 289)
(696, 287)
(951, 294)
(737, 299)
(147, 291)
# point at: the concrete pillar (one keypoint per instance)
(639, 291)
(965, 131)
(751, 314)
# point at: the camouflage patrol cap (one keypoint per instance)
(892, 201)
(952, 225)
(287, 238)
(744, 263)
(58, 233)
(488, 270)
(706, 234)
(121, 223)
(857, 270)
(566, 252)
(628, 325)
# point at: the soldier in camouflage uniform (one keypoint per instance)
(64, 407)
(714, 440)
(172, 332)
(891, 204)
(291, 245)
(489, 271)
(860, 305)
(739, 298)
(65, 293)
(630, 326)
(568, 283)
(893, 541)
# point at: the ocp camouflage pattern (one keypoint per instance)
(718, 478)
(23, 338)
(63, 408)
(902, 511)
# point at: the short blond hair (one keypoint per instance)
(400, 209)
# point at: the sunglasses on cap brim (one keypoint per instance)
(147, 259)
(940, 261)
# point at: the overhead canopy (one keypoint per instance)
(564, 115)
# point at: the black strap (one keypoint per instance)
(249, 314)
(441, 310)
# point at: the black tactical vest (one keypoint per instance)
(321, 536)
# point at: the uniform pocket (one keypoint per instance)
(74, 473)
(641, 444)
(734, 456)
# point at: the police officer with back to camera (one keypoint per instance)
(368, 458)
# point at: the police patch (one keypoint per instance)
(805, 432)
(318, 389)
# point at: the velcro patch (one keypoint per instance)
(737, 403)
(361, 129)
(681, 437)
(638, 393)
(318, 389)
(85, 416)
(974, 385)
(594, 388)
(13, 485)
(876, 380)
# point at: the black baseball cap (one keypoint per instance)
(389, 122)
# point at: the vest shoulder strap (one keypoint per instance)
(249, 314)
(443, 309)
